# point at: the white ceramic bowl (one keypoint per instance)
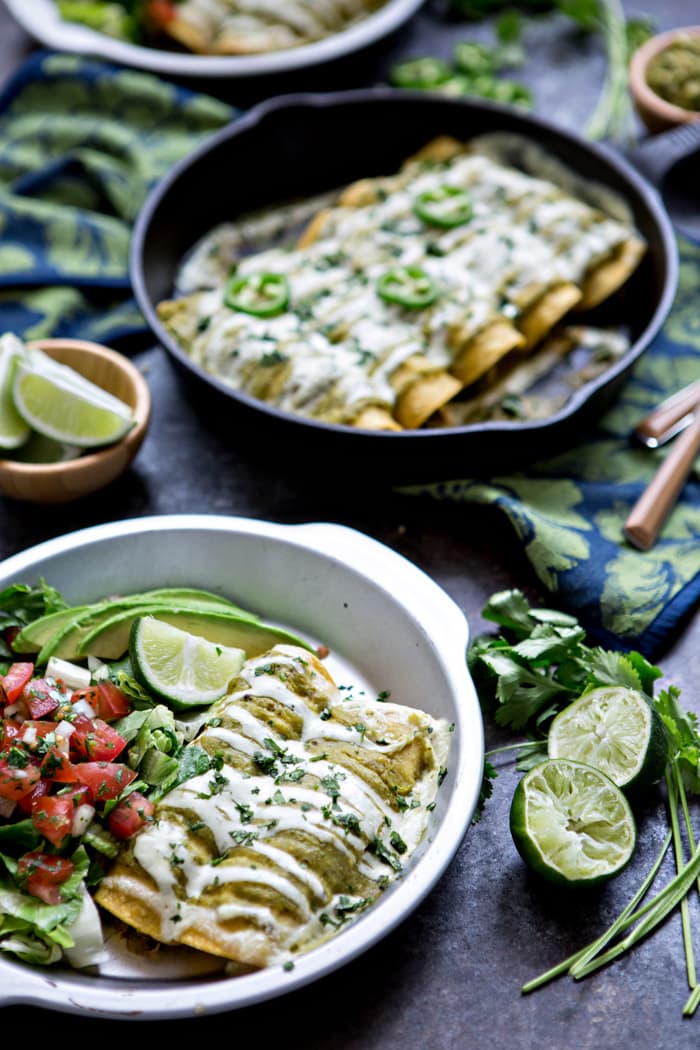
(41, 19)
(388, 626)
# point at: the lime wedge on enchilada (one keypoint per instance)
(184, 669)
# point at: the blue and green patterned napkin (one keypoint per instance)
(82, 144)
(568, 512)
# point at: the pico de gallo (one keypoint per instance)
(84, 752)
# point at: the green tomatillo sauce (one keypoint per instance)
(674, 74)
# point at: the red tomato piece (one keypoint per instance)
(17, 781)
(94, 739)
(32, 733)
(111, 702)
(15, 680)
(106, 780)
(89, 694)
(130, 815)
(42, 875)
(52, 816)
(56, 765)
(41, 788)
(8, 732)
(42, 696)
(79, 794)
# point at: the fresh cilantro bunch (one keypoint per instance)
(540, 662)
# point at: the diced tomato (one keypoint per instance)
(31, 733)
(52, 816)
(17, 780)
(15, 680)
(111, 702)
(41, 788)
(43, 874)
(79, 794)
(106, 780)
(42, 696)
(130, 815)
(8, 733)
(94, 739)
(89, 694)
(56, 765)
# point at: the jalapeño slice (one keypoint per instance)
(259, 294)
(407, 286)
(445, 206)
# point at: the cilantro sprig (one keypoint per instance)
(537, 663)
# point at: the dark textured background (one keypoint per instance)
(450, 976)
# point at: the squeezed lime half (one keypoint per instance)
(571, 824)
(615, 729)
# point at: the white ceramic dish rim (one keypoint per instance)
(440, 626)
(41, 19)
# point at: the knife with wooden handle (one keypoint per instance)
(648, 515)
(670, 417)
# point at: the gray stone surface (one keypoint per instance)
(450, 976)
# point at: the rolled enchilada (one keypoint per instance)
(313, 802)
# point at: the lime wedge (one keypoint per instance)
(183, 669)
(14, 430)
(69, 411)
(616, 730)
(44, 364)
(571, 824)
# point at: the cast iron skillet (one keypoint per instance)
(298, 145)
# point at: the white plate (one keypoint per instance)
(41, 19)
(388, 626)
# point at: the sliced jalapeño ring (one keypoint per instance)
(445, 206)
(259, 294)
(407, 286)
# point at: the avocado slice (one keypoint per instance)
(58, 634)
(110, 639)
(35, 634)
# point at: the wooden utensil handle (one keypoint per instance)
(654, 505)
(655, 427)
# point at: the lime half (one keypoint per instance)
(571, 824)
(14, 430)
(616, 730)
(181, 668)
(69, 412)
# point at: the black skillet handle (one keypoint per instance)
(657, 154)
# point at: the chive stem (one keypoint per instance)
(581, 957)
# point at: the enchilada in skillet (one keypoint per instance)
(404, 293)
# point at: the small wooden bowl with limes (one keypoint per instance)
(46, 468)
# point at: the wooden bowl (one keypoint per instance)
(655, 112)
(73, 478)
